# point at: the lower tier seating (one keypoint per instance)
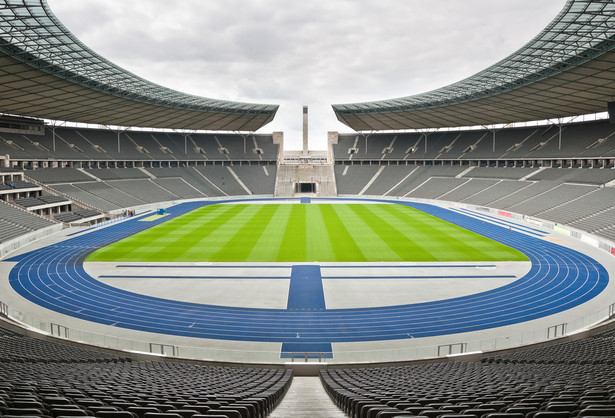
(572, 379)
(46, 379)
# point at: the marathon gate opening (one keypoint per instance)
(305, 187)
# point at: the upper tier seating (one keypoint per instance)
(581, 140)
(58, 175)
(83, 144)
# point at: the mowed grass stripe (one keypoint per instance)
(203, 227)
(240, 245)
(293, 246)
(449, 242)
(442, 242)
(222, 232)
(170, 240)
(345, 248)
(363, 234)
(414, 226)
(418, 227)
(319, 246)
(398, 242)
(271, 238)
(182, 234)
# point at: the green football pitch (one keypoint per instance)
(306, 233)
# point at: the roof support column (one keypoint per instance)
(53, 132)
(118, 130)
(245, 137)
(560, 124)
(425, 134)
(366, 136)
(494, 129)
(185, 133)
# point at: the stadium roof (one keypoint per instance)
(46, 72)
(566, 70)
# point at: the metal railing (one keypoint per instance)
(308, 355)
(449, 349)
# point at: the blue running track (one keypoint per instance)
(559, 279)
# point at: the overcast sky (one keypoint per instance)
(312, 52)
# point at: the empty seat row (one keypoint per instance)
(28, 202)
(76, 215)
(571, 379)
(48, 379)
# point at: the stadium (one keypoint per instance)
(451, 257)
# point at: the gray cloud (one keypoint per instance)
(315, 52)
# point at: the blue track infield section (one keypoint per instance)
(559, 279)
(305, 291)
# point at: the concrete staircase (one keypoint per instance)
(306, 398)
(289, 174)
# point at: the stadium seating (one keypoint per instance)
(116, 174)
(260, 180)
(48, 379)
(114, 197)
(15, 222)
(572, 378)
(59, 175)
(102, 145)
(179, 188)
(95, 197)
(188, 175)
(107, 181)
(77, 216)
(352, 179)
(419, 175)
(580, 140)
(28, 202)
(21, 185)
(222, 179)
(389, 177)
(145, 190)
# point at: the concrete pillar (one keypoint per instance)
(305, 130)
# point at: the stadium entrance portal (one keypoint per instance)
(305, 187)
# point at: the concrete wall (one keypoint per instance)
(8, 247)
